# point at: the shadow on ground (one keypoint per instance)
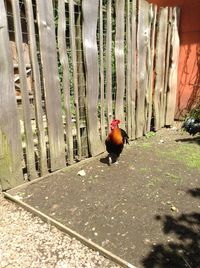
(190, 140)
(185, 253)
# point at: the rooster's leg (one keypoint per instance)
(109, 160)
(115, 159)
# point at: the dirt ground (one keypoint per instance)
(146, 209)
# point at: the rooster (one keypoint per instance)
(115, 141)
(192, 125)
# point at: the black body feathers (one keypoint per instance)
(115, 142)
(192, 125)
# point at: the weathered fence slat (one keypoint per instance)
(51, 83)
(65, 81)
(90, 15)
(173, 68)
(168, 47)
(133, 68)
(36, 88)
(10, 140)
(160, 68)
(109, 63)
(142, 75)
(163, 23)
(119, 60)
(75, 75)
(128, 69)
(151, 67)
(148, 66)
(30, 157)
(102, 121)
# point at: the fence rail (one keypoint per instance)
(68, 68)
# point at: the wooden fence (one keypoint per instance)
(87, 63)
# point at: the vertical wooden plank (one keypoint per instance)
(24, 92)
(173, 69)
(36, 87)
(10, 140)
(128, 69)
(119, 59)
(164, 44)
(103, 134)
(66, 84)
(133, 68)
(75, 78)
(151, 67)
(90, 15)
(109, 64)
(168, 46)
(148, 65)
(51, 83)
(160, 68)
(142, 76)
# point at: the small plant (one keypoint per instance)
(144, 169)
(153, 182)
(195, 112)
(150, 134)
(172, 176)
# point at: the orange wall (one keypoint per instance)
(189, 62)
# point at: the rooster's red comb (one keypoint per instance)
(115, 121)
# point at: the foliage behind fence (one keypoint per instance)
(75, 67)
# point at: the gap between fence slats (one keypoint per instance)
(102, 106)
(65, 78)
(153, 10)
(36, 88)
(81, 84)
(75, 78)
(133, 68)
(109, 64)
(128, 69)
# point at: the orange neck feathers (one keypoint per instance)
(116, 136)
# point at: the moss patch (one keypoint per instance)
(189, 154)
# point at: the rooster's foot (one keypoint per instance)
(109, 161)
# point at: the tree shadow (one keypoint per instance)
(194, 192)
(185, 250)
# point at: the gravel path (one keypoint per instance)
(28, 242)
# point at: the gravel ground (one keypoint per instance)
(28, 242)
